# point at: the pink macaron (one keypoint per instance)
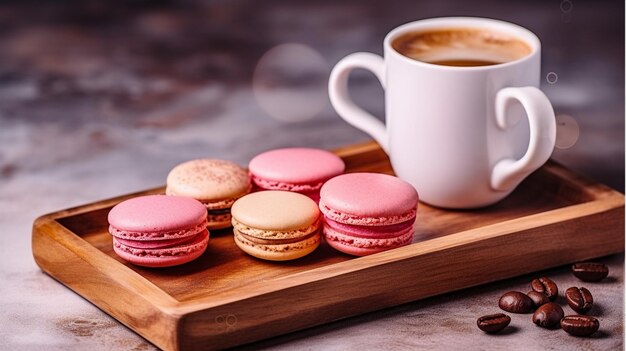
(159, 230)
(301, 170)
(366, 213)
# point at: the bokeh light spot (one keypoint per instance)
(552, 78)
(566, 6)
(290, 82)
(567, 131)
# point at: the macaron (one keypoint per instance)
(215, 183)
(159, 230)
(276, 225)
(301, 170)
(366, 213)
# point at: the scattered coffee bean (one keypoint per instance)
(516, 302)
(545, 286)
(580, 325)
(579, 299)
(548, 315)
(590, 271)
(493, 323)
(538, 298)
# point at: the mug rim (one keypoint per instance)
(464, 22)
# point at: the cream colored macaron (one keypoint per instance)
(216, 183)
(276, 225)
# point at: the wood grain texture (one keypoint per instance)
(227, 298)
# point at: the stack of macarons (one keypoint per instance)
(159, 230)
(358, 213)
(216, 183)
(301, 170)
(363, 214)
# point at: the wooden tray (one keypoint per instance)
(227, 298)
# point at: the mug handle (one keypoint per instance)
(343, 104)
(508, 173)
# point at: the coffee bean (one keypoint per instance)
(538, 298)
(548, 315)
(516, 302)
(545, 286)
(580, 325)
(493, 323)
(590, 271)
(579, 299)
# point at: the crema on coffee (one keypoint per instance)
(463, 47)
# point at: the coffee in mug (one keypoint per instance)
(463, 47)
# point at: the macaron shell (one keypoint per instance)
(155, 244)
(276, 210)
(353, 250)
(368, 199)
(157, 216)
(164, 257)
(278, 252)
(210, 181)
(296, 166)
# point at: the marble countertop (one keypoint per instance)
(99, 100)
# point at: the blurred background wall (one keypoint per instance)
(88, 86)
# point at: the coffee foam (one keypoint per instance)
(461, 44)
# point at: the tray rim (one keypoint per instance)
(605, 198)
(602, 199)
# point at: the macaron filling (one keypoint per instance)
(262, 241)
(197, 243)
(279, 246)
(158, 235)
(212, 204)
(373, 232)
(270, 234)
(269, 184)
(218, 217)
(348, 218)
(221, 211)
(156, 244)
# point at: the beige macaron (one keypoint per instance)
(276, 225)
(216, 183)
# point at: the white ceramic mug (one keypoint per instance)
(465, 137)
